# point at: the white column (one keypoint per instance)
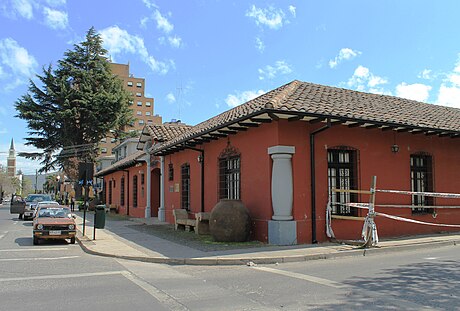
(148, 213)
(161, 209)
(282, 184)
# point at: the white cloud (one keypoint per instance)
(449, 91)
(119, 41)
(425, 74)
(162, 22)
(170, 98)
(260, 45)
(23, 8)
(18, 64)
(175, 41)
(292, 9)
(344, 54)
(150, 4)
(143, 22)
(365, 81)
(270, 17)
(234, 100)
(270, 72)
(55, 19)
(416, 91)
(449, 96)
(55, 3)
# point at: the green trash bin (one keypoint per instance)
(99, 221)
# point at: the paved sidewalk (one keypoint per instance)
(120, 240)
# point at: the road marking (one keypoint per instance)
(156, 293)
(300, 276)
(33, 249)
(2, 236)
(431, 258)
(63, 276)
(36, 259)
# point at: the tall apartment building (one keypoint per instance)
(141, 106)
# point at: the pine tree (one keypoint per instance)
(75, 107)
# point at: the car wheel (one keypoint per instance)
(72, 240)
(36, 241)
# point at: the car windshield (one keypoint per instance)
(38, 198)
(54, 212)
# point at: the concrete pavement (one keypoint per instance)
(120, 240)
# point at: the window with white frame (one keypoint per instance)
(139, 84)
(139, 104)
(148, 104)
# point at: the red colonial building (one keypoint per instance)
(282, 153)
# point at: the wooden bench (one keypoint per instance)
(200, 224)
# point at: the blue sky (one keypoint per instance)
(202, 57)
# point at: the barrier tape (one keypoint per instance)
(428, 194)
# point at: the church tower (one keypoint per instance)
(11, 160)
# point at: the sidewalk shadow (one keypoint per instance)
(433, 284)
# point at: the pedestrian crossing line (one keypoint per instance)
(300, 276)
(37, 258)
(35, 249)
(64, 276)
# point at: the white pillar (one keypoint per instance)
(148, 213)
(282, 184)
(161, 209)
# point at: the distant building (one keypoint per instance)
(141, 106)
(11, 160)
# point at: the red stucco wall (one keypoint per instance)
(123, 208)
(375, 158)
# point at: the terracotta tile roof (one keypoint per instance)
(303, 98)
(161, 133)
(124, 163)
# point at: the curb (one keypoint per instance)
(216, 261)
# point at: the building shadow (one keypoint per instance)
(435, 285)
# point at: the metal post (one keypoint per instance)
(94, 224)
(84, 208)
(371, 229)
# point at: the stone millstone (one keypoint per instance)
(230, 221)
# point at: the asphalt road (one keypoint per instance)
(60, 276)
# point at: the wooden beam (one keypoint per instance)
(355, 124)
(260, 120)
(218, 135)
(402, 130)
(373, 126)
(248, 124)
(227, 132)
(337, 122)
(432, 133)
(273, 116)
(387, 128)
(296, 118)
(444, 134)
(238, 128)
(317, 120)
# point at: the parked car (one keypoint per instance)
(54, 222)
(31, 204)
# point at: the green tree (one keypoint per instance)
(75, 106)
